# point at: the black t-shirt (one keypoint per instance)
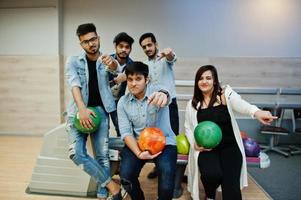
(94, 95)
(220, 115)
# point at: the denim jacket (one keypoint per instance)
(77, 75)
(161, 72)
(118, 90)
(134, 115)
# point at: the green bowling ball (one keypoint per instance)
(182, 144)
(207, 134)
(96, 120)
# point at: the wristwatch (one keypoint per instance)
(165, 92)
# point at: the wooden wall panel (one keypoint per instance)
(246, 71)
(32, 101)
(29, 94)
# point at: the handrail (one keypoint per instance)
(240, 90)
(291, 91)
(274, 91)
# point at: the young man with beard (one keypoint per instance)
(87, 77)
(145, 106)
(161, 72)
(123, 47)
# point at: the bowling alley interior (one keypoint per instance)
(57, 83)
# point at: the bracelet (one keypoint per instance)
(138, 155)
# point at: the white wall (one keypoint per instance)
(194, 28)
(28, 28)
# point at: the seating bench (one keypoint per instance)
(116, 145)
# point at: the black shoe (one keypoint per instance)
(153, 174)
(119, 196)
(126, 185)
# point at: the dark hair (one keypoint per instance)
(136, 68)
(147, 35)
(123, 37)
(197, 94)
(85, 28)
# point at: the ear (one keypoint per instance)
(147, 80)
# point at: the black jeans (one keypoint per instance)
(221, 166)
(174, 116)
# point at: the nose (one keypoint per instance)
(202, 81)
(133, 83)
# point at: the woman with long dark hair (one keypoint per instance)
(225, 164)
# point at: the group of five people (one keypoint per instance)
(100, 80)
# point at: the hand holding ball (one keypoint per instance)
(151, 139)
(207, 134)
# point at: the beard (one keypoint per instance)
(122, 55)
(92, 50)
(151, 54)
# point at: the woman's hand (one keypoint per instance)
(200, 148)
(264, 116)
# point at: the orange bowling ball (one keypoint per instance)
(152, 139)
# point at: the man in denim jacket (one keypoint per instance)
(145, 106)
(161, 71)
(86, 75)
(117, 79)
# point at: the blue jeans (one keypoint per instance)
(98, 168)
(166, 165)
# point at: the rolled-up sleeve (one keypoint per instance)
(71, 74)
(123, 120)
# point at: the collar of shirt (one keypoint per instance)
(156, 58)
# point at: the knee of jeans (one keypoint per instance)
(74, 156)
(71, 151)
(126, 184)
(166, 170)
(167, 178)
